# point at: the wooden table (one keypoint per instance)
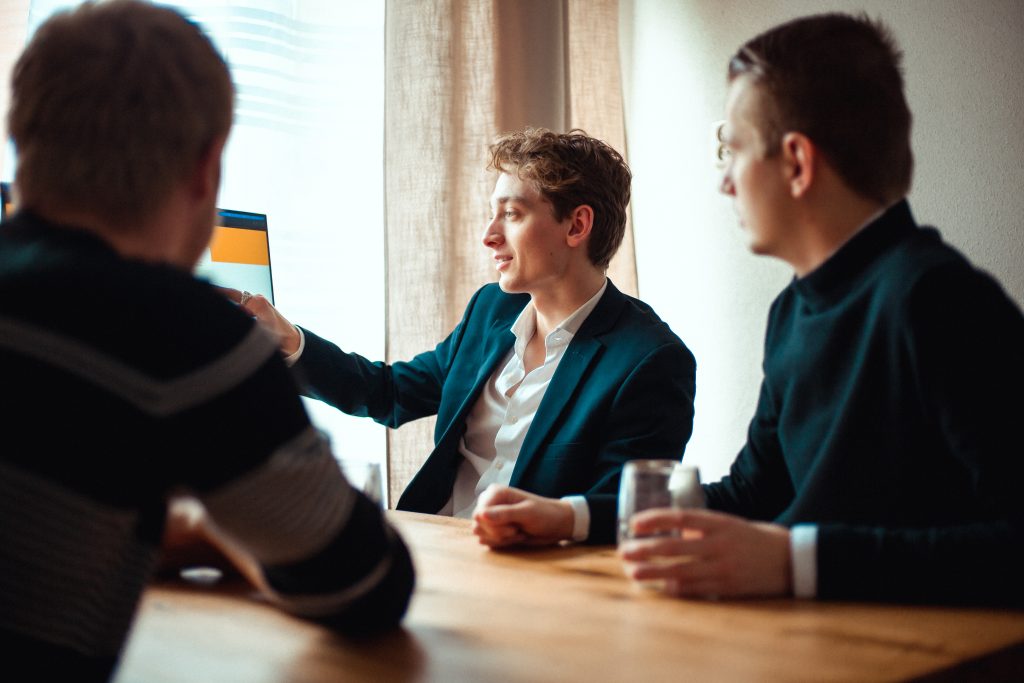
(563, 614)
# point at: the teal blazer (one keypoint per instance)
(623, 390)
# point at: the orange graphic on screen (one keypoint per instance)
(237, 245)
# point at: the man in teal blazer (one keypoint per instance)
(553, 379)
(624, 390)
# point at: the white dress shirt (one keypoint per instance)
(497, 424)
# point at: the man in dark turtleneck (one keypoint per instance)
(883, 462)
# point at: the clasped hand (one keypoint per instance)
(506, 516)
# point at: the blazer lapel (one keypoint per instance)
(497, 342)
(581, 354)
(432, 485)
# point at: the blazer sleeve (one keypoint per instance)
(965, 339)
(390, 394)
(651, 417)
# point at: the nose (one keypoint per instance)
(726, 186)
(492, 233)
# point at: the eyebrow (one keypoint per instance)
(509, 198)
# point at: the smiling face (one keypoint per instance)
(754, 176)
(527, 243)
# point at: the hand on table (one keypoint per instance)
(258, 307)
(187, 542)
(717, 555)
(506, 516)
(191, 540)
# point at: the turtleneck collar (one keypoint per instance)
(831, 280)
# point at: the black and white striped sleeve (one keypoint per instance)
(325, 549)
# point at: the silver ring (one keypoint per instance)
(245, 298)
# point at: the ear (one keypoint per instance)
(581, 222)
(799, 155)
(205, 178)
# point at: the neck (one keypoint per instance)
(555, 305)
(161, 237)
(828, 227)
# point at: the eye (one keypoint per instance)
(511, 215)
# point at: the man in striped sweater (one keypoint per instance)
(126, 381)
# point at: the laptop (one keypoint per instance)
(6, 201)
(239, 254)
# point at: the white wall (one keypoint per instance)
(964, 68)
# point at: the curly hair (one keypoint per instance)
(571, 170)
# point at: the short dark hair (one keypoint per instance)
(570, 170)
(837, 79)
(111, 103)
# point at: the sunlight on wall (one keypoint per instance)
(693, 265)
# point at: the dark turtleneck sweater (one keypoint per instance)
(888, 417)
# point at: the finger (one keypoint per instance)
(492, 495)
(656, 520)
(663, 546)
(667, 519)
(232, 294)
(258, 306)
(497, 531)
(685, 570)
(516, 538)
(503, 513)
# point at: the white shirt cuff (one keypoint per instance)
(803, 550)
(294, 358)
(581, 517)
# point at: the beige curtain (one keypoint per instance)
(458, 73)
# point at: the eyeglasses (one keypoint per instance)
(719, 152)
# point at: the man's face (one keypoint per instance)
(527, 243)
(753, 179)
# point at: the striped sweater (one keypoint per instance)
(124, 382)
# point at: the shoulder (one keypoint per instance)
(632, 326)
(926, 273)
(154, 318)
(923, 253)
(931, 296)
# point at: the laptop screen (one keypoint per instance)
(239, 253)
(6, 201)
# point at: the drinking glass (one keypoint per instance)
(650, 484)
(365, 476)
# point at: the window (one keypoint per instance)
(307, 150)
